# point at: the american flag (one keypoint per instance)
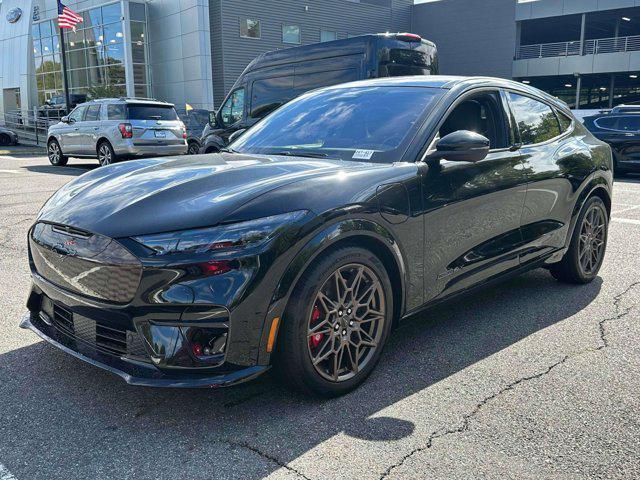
(67, 18)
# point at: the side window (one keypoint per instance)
(93, 113)
(565, 122)
(607, 123)
(270, 93)
(232, 110)
(116, 111)
(629, 123)
(536, 120)
(78, 113)
(482, 113)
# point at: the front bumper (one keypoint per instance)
(131, 371)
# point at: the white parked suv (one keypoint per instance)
(114, 129)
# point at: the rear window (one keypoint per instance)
(152, 112)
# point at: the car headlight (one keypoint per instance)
(224, 237)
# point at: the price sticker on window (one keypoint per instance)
(363, 154)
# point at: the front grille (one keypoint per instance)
(85, 263)
(107, 339)
(63, 320)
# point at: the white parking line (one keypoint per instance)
(616, 212)
(11, 171)
(5, 474)
(632, 221)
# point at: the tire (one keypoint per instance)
(106, 155)
(5, 139)
(54, 152)
(338, 327)
(582, 261)
(211, 150)
(193, 149)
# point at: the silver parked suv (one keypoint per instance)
(114, 129)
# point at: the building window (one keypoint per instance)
(290, 34)
(249, 28)
(328, 36)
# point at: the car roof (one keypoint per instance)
(137, 101)
(450, 81)
(313, 51)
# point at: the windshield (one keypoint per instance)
(357, 123)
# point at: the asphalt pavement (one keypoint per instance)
(528, 379)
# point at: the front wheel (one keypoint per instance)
(54, 152)
(336, 324)
(584, 257)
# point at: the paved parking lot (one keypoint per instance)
(528, 379)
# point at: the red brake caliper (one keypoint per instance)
(315, 340)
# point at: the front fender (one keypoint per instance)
(327, 237)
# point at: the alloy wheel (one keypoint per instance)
(54, 153)
(346, 322)
(592, 239)
(104, 155)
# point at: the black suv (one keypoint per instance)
(622, 132)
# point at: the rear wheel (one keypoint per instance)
(54, 152)
(337, 323)
(583, 260)
(106, 155)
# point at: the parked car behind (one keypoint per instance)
(56, 107)
(195, 120)
(342, 213)
(274, 78)
(622, 132)
(8, 137)
(116, 129)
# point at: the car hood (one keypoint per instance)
(160, 195)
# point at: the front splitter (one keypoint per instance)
(146, 375)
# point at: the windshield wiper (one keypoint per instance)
(291, 153)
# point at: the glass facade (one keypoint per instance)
(95, 54)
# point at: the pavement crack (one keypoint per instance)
(619, 314)
(267, 456)
(467, 417)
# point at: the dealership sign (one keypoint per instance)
(14, 15)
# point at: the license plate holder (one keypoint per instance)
(160, 134)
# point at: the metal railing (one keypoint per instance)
(31, 128)
(545, 50)
(591, 47)
(612, 45)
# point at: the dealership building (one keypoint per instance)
(586, 52)
(182, 51)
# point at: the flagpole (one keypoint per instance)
(65, 77)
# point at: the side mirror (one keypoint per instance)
(462, 146)
(235, 135)
(65, 119)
